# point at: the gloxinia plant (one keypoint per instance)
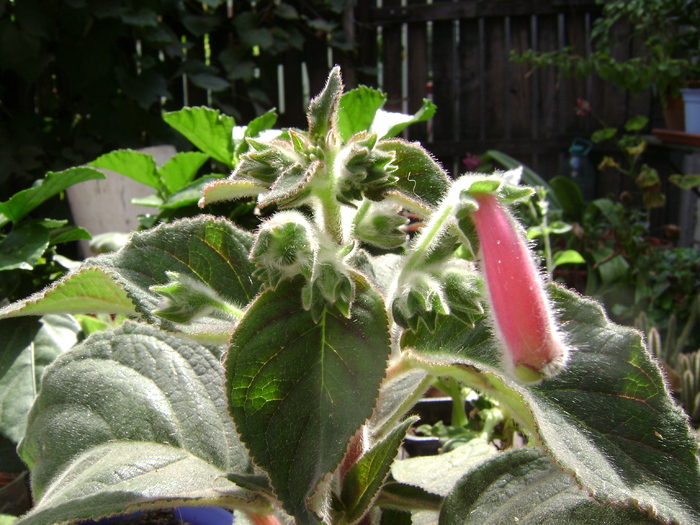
(272, 371)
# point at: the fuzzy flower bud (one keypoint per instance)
(185, 299)
(285, 247)
(520, 310)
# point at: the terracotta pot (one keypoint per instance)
(674, 113)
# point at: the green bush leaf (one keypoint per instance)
(426, 112)
(28, 345)
(568, 257)
(299, 390)
(69, 234)
(357, 109)
(21, 203)
(87, 290)
(523, 486)
(639, 447)
(181, 169)
(133, 164)
(685, 182)
(111, 429)
(569, 195)
(23, 246)
(602, 135)
(208, 129)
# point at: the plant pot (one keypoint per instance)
(691, 101)
(674, 113)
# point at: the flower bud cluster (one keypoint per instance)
(381, 224)
(363, 170)
(286, 246)
(289, 245)
(449, 288)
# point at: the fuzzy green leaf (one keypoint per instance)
(438, 474)
(638, 447)
(121, 385)
(299, 390)
(419, 174)
(111, 431)
(322, 115)
(211, 251)
(523, 486)
(364, 479)
(206, 128)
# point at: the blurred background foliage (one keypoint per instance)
(82, 77)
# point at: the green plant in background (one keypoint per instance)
(667, 58)
(292, 399)
(690, 384)
(79, 78)
(631, 146)
(28, 246)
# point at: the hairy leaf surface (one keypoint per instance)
(299, 390)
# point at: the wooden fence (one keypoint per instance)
(458, 54)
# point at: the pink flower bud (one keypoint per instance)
(522, 317)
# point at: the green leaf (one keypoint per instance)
(87, 290)
(133, 164)
(210, 251)
(568, 257)
(28, 345)
(530, 177)
(569, 195)
(364, 479)
(523, 486)
(322, 115)
(180, 170)
(357, 109)
(602, 135)
(299, 390)
(207, 129)
(438, 474)
(607, 417)
(291, 187)
(419, 174)
(111, 431)
(188, 195)
(637, 123)
(229, 189)
(127, 476)
(21, 203)
(209, 82)
(69, 234)
(23, 247)
(395, 124)
(254, 128)
(685, 182)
